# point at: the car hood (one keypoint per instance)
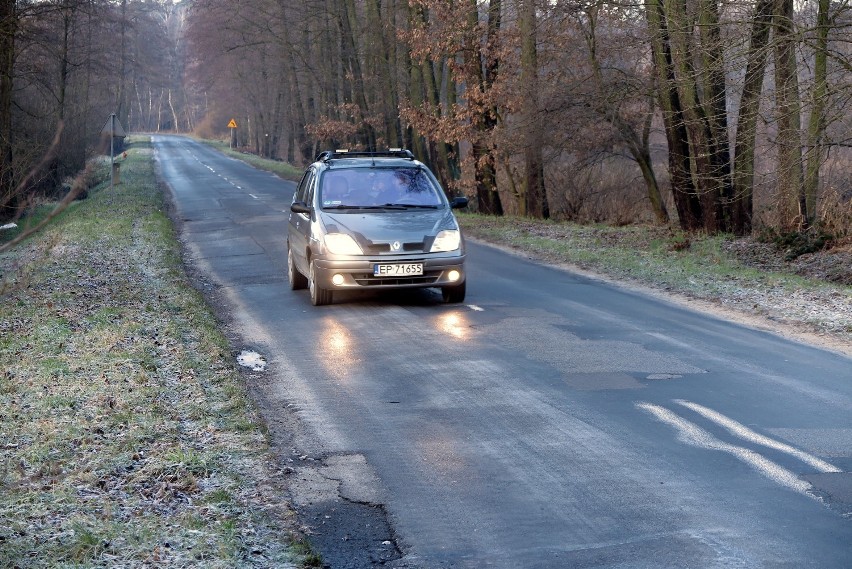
(387, 226)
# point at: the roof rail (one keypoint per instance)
(327, 155)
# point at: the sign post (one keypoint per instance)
(233, 126)
(113, 128)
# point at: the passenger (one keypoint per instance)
(387, 190)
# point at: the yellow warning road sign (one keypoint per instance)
(232, 124)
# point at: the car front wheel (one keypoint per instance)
(454, 294)
(297, 279)
(319, 295)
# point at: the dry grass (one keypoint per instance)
(128, 440)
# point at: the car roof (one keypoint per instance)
(394, 157)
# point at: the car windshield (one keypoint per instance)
(357, 188)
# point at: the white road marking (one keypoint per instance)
(476, 308)
(254, 196)
(668, 339)
(745, 433)
(692, 434)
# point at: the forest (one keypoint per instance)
(710, 115)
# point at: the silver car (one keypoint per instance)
(373, 220)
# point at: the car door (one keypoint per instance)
(299, 224)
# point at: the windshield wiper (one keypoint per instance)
(344, 206)
(408, 206)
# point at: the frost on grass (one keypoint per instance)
(810, 294)
(128, 439)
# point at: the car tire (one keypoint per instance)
(454, 294)
(319, 295)
(298, 281)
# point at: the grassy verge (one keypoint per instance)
(283, 169)
(665, 257)
(698, 266)
(128, 438)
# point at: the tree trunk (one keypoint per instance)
(349, 23)
(381, 52)
(685, 198)
(452, 149)
(438, 150)
(488, 199)
(278, 120)
(536, 194)
(715, 106)
(744, 145)
(416, 90)
(699, 148)
(296, 114)
(640, 152)
(175, 125)
(8, 29)
(55, 166)
(792, 209)
(121, 99)
(816, 122)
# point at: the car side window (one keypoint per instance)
(305, 191)
(309, 191)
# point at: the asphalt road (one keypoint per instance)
(550, 421)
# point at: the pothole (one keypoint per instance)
(664, 376)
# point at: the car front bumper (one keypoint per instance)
(357, 273)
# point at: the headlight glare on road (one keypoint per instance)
(342, 244)
(447, 240)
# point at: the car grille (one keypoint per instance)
(380, 248)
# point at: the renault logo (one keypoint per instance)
(395, 246)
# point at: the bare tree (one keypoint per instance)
(8, 30)
(481, 69)
(509, 93)
(817, 122)
(608, 76)
(749, 105)
(455, 39)
(535, 202)
(791, 202)
(684, 191)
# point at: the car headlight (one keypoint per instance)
(447, 240)
(342, 244)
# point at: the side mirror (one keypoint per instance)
(300, 207)
(458, 202)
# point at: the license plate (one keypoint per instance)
(398, 270)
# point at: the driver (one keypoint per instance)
(335, 189)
